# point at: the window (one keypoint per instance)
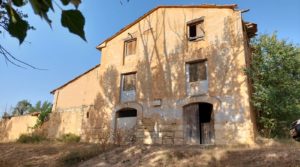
(130, 47)
(197, 71)
(129, 82)
(128, 87)
(196, 29)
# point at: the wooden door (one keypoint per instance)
(191, 124)
(206, 133)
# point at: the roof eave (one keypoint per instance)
(100, 46)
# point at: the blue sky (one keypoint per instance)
(66, 55)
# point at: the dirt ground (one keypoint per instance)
(46, 154)
(85, 155)
(274, 156)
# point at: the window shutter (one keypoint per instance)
(130, 47)
(200, 30)
(133, 46)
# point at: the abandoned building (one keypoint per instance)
(173, 76)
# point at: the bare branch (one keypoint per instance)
(15, 61)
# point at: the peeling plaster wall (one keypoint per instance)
(68, 121)
(11, 129)
(162, 52)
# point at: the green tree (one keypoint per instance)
(41, 107)
(44, 108)
(275, 74)
(21, 108)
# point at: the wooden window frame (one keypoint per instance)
(126, 44)
(196, 62)
(123, 80)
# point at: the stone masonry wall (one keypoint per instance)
(149, 131)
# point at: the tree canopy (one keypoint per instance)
(275, 73)
(21, 108)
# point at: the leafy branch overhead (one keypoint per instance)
(74, 21)
(13, 20)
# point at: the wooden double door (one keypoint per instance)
(198, 124)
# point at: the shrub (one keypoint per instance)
(69, 138)
(30, 138)
(76, 156)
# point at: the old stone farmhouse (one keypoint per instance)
(173, 76)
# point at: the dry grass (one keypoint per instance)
(69, 138)
(267, 153)
(277, 155)
(46, 154)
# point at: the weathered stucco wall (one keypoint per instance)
(11, 129)
(161, 55)
(82, 93)
(69, 121)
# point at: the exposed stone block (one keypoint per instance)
(178, 134)
(179, 127)
(167, 127)
(140, 130)
(139, 134)
(158, 140)
(178, 141)
(167, 134)
(168, 141)
(148, 121)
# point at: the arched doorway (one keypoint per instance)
(126, 118)
(198, 123)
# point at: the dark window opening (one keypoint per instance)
(197, 71)
(196, 30)
(129, 81)
(193, 31)
(127, 113)
(87, 114)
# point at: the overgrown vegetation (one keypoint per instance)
(25, 107)
(31, 138)
(275, 74)
(76, 156)
(69, 138)
(44, 109)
